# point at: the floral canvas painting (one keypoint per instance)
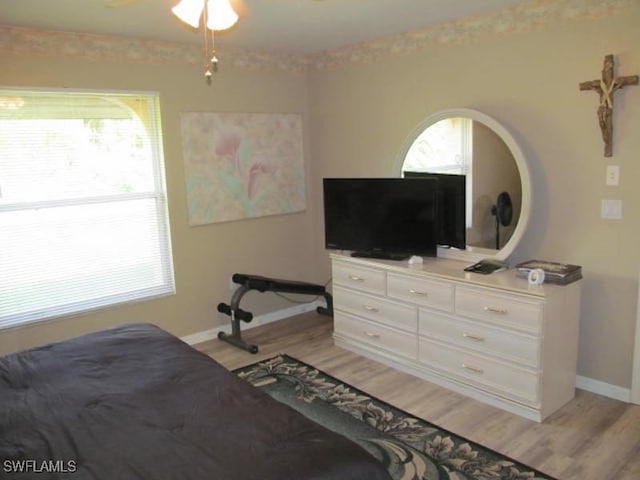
(242, 165)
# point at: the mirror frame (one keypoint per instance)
(474, 254)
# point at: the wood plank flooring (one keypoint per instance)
(591, 438)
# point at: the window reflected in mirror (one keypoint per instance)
(445, 147)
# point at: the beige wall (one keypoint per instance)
(357, 115)
(204, 256)
(527, 79)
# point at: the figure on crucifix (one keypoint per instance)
(606, 87)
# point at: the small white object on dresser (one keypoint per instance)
(495, 338)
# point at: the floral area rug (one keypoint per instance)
(409, 447)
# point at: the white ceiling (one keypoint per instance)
(285, 26)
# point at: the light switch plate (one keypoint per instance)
(611, 209)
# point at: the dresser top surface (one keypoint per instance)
(448, 269)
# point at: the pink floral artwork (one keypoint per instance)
(242, 165)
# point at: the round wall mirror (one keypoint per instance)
(498, 190)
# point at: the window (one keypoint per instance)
(83, 211)
(445, 147)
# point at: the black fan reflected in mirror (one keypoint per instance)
(503, 211)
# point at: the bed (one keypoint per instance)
(135, 402)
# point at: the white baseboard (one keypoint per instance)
(212, 333)
(603, 388)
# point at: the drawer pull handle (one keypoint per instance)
(369, 308)
(356, 278)
(473, 336)
(372, 335)
(417, 292)
(472, 368)
(501, 311)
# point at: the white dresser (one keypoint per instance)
(492, 337)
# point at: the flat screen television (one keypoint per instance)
(452, 208)
(381, 217)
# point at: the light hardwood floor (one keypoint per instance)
(591, 438)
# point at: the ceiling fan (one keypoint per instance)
(217, 15)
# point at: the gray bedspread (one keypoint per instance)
(135, 402)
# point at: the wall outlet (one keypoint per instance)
(613, 175)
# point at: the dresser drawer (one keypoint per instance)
(422, 291)
(392, 340)
(489, 374)
(480, 337)
(505, 310)
(383, 311)
(361, 278)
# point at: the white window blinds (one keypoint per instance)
(83, 211)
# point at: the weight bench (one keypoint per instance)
(263, 284)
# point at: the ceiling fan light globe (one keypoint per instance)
(189, 11)
(220, 15)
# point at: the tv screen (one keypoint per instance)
(452, 208)
(381, 217)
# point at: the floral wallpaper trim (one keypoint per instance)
(99, 48)
(521, 18)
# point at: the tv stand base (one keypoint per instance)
(382, 255)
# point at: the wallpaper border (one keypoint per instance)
(530, 16)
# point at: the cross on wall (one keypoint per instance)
(606, 87)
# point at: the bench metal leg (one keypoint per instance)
(237, 314)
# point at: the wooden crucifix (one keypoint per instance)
(606, 87)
